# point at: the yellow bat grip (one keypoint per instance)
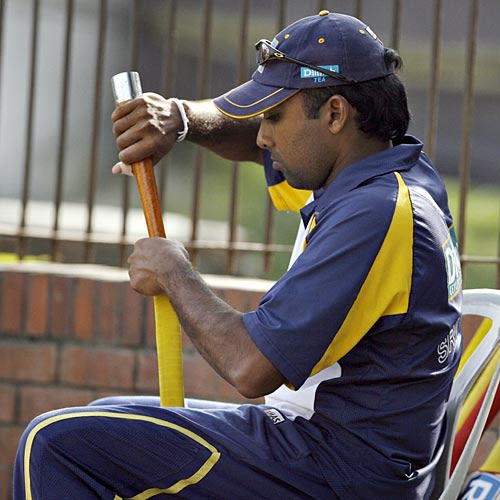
(168, 330)
(169, 349)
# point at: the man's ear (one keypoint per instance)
(336, 112)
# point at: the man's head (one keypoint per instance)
(356, 65)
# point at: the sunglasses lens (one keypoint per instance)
(262, 53)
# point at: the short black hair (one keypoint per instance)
(381, 103)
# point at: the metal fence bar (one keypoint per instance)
(54, 236)
(134, 60)
(269, 217)
(29, 128)
(435, 66)
(168, 86)
(2, 10)
(396, 24)
(358, 9)
(200, 153)
(235, 167)
(320, 5)
(467, 120)
(99, 69)
(61, 157)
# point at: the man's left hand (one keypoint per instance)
(153, 265)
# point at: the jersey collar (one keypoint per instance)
(396, 159)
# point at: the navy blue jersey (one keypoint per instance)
(365, 324)
(364, 327)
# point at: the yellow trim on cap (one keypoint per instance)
(251, 115)
(174, 488)
(253, 103)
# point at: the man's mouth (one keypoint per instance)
(276, 164)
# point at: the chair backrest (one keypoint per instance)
(472, 393)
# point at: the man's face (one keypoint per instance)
(300, 147)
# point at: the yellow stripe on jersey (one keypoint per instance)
(386, 290)
(310, 227)
(286, 197)
(174, 488)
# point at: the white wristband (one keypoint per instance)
(181, 135)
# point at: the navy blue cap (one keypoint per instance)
(340, 43)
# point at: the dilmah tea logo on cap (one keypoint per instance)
(318, 77)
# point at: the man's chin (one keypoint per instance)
(297, 184)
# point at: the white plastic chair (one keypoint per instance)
(486, 303)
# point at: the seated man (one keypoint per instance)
(355, 347)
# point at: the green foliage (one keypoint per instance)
(482, 228)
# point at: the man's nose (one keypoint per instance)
(264, 137)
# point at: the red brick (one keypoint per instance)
(9, 440)
(27, 361)
(132, 312)
(97, 367)
(220, 293)
(7, 403)
(107, 311)
(60, 306)
(5, 482)
(147, 372)
(11, 302)
(253, 300)
(83, 316)
(470, 323)
(37, 304)
(237, 299)
(150, 323)
(199, 378)
(109, 393)
(37, 400)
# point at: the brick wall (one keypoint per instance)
(71, 334)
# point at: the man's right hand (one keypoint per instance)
(145, 127)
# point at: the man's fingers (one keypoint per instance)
(122, 168)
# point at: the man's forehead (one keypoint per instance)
(294, 100)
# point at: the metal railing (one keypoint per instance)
(167, 40)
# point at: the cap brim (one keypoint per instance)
(252, 99)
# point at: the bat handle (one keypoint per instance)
(127, 85)
(168, 334)
(148, 193)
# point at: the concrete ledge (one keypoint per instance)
(114, 274)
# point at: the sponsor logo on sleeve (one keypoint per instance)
(275, 416)
(447, 347)
(453, 270)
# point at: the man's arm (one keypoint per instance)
(217, 331)
(147, 127)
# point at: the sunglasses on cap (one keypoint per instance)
(266, 52)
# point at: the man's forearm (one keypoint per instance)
(218, 333)
(230, 138)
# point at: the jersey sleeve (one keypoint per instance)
(284, 197)
(356, 267)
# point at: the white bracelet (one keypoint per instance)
(181, 135)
